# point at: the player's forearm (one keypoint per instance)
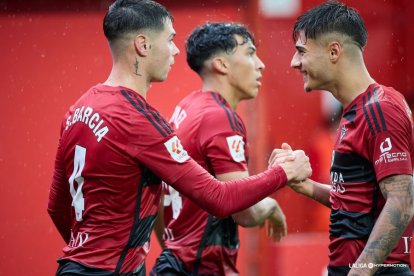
(256, 214)
(393, 220)
(312, 189)
(222, 199)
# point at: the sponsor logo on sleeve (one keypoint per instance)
(236, 147)
(176, 150)
(387, 156)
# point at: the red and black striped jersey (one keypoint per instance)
(214, 136)
(114, 148)
(375, 140)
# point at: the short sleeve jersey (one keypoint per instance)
(375, 140)
(113, 145)
(215, 137)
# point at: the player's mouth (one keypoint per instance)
(258, 81)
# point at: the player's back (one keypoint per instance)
(205, 124)
(114, 196)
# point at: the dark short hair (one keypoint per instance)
(126, 16)
(330, 17)
(212, 38)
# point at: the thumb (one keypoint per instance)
(286, 146)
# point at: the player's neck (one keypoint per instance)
(352, 84)
(224, 90)
(126, 78)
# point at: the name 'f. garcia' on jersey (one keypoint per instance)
(94, 122)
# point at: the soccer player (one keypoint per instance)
(196, 242)
(371, 191)
(114, 148)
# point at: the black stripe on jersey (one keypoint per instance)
(141, 228)
(234, 119)
(144, 112)
(351, 114)
(202, 246)
(157, 116)
(374, 116)
(238, 122)
(351, 225)
(222, 232)
(353, 168)
(384, 126)
(221, 103)
(371, 129)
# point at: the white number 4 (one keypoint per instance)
(78, 201)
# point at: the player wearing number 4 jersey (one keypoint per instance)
(371, 193)
(114, 148)
(196, 242)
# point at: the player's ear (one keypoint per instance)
(335, 49)
(220, 65)
(142, 44)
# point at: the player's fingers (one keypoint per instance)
(286, 146)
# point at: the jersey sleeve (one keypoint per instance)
(223, 142)
(390, 147)
(164, 155)
(226, 152)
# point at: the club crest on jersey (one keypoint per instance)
(176, 150)
(343, 133)
(236, 147)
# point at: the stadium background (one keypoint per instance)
(52, 51)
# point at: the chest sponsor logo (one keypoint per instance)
(337, 178)
(176, 150)
(236, 147)
(387, 156)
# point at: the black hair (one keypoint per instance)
(126, 16)
(212, 38)
(329, 17)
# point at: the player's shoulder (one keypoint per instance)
(388, 101)
(384, 108)
(143, 117)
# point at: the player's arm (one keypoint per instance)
(314, 190)
(59, 205)
(159, 223)
(258, 213)
(222, 199)
(397, 213)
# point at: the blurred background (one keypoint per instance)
(52, 51)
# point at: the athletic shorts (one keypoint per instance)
(68, 268)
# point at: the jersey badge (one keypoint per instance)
(236, 147)
(176, 150)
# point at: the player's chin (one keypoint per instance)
(160, 78)
(307, 87)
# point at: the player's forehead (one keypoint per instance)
(304, 42)
(168, 26)
(244, 42)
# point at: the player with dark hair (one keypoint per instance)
(371, 191)
(115, 148)
(198, 243)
